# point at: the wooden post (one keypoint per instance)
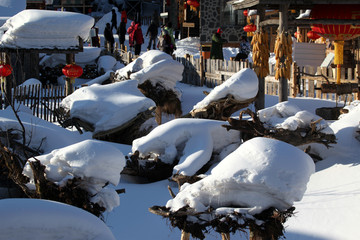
(254, 235)
(283, 27)
(202, 70)
(70, 58)
(295, 73)
(225, 236)
(185, 235)
(260, 98)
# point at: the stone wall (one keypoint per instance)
(210, 21)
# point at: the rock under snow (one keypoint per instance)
(261, 173)
(45, 29)
(243, 85)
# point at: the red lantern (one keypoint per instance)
(245, 13)
(72, 71)
(250, 28)
(5, 70)
(193, 3)
(296, 34)
(337, 32)
(312, 35)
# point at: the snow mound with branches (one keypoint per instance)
(261, 173)
(192, 141)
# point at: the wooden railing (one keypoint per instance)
(41, 100)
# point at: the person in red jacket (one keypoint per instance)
(131, 33)
(138, 38)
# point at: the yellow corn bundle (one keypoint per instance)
(261, 53)
(283, 55)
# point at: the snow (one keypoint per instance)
(45, 29)
(200, 136)
(243, 85)
(27, 218)
(94, 103)
(326, 200)
(258, 175)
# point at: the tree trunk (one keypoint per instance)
(225, 236)
(185, 235)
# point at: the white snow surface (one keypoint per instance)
(45, 29)
(93, 104)
(191, 140)
(243, 85)
(27, 219)
(328, 210)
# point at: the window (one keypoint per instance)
(230, 16)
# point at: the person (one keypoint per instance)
(170, 30)
(216, 51)
(164, 43)
(138, 38)
(113, 19)
(109, 37)
(131, 32)
(121, 31)
(153, 32)
(245, 49)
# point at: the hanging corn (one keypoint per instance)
(261, 53)
(283, 56)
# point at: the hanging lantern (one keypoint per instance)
(250, 28)
(312, 35)
(5, 70)
(337, 32)
(196, 4)
(72, 71)
(245, 13)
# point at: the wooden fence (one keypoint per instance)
(41, 100)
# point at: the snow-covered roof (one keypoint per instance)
(41, 29)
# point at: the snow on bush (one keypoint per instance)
(288, 116)
(261, 173)
(107, 106)
(45, 29)
(95, 162)
(243, 85)
(192, 141)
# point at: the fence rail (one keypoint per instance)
(41, 100)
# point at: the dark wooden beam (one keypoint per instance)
(308, 22)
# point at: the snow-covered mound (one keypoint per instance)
(261, 173)
(190, 45)
(27, 219)
(286, 115)
(107, 106)
(45, 29)
(243, 85)
(155, 66)
(143, 61)
(40, 134)
(95, 162)
(192, 141)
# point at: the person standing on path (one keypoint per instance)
(153, 32)
(121, 31)
(109, 38)
(217, 42)
(113, 19)
(131, 32)
(138, 38)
